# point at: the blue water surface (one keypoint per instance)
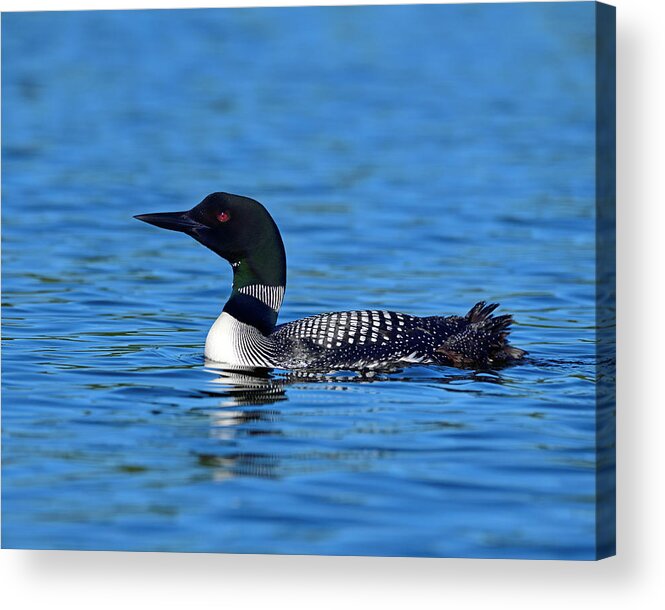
(416, 158)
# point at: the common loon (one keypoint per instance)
(241, 230)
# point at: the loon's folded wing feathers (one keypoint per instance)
(357, 339)
(352, 339)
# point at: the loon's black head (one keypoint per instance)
(236, 228)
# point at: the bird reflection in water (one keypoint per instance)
(242, 412)
(238, 390)
(240, 386)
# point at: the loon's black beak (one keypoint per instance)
(175, 221)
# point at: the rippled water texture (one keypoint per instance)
(417, 159)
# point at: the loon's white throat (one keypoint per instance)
(238, 343)
(233, 342)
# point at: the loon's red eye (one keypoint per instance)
(223, 216)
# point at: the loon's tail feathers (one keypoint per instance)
(482, 341)
(481, 311)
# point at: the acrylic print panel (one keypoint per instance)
(416, 160)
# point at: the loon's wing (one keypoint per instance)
(359, 339)
(375, 339)
(338, 329)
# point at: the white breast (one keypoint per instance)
(233, 342)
